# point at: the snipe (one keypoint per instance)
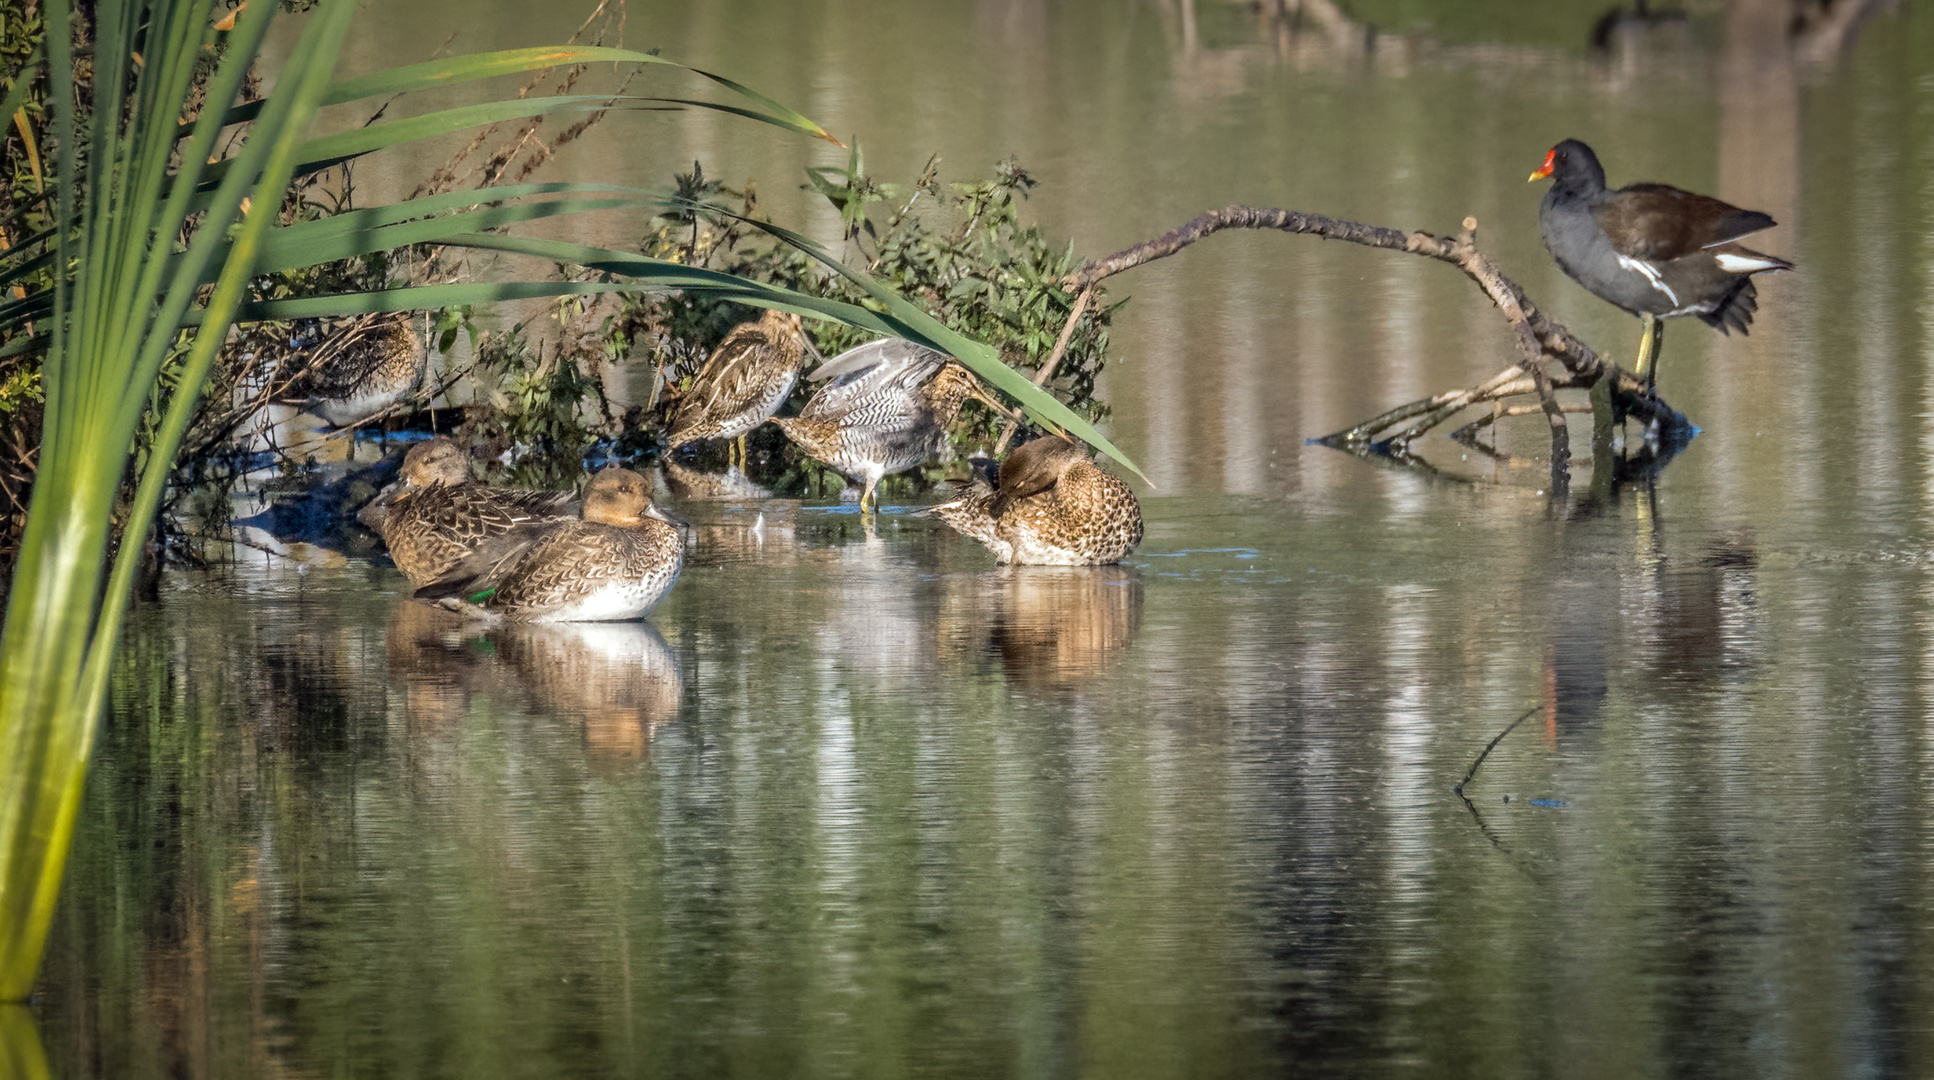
(886, 410)
(742, 383)
(355, 373)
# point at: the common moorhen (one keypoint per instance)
(1652, 249)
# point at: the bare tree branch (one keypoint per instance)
(1041, 377)
(1539, 339)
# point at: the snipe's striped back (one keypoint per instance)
(886, 410)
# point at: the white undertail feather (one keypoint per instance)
(1736, 263)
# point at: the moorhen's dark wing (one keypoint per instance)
(1659, 223)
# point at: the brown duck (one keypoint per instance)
(1047, 504)
(614, 563)
(435, 515)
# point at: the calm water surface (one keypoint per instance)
(856, 802)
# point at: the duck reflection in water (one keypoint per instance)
(619, 681)
(613, 564)
(1046, 627)
(433, 664)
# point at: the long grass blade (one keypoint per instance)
(300, 245)
(418, 297)
(344, 146)
(109, 332)
(450, 71)
(804, 127)
(373, 217)
(22, 85)
(59, 553)
(209, 244)
(899, 317)
(302, 85)
(320, 153)
(21, 1055)
(346, 235)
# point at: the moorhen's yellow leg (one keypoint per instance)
(1658, 350)
(738, 446)
(1651, 339)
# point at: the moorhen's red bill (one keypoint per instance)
(1652, 249)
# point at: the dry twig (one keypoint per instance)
(1540, 340)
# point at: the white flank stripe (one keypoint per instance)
(1651, 274)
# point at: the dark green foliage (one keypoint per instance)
(536, 398)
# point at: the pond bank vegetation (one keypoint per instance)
(599, 378)
(175, 203)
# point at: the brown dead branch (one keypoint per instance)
(1541, 341)
(1041, 377)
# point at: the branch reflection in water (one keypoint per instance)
(1652, 628)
